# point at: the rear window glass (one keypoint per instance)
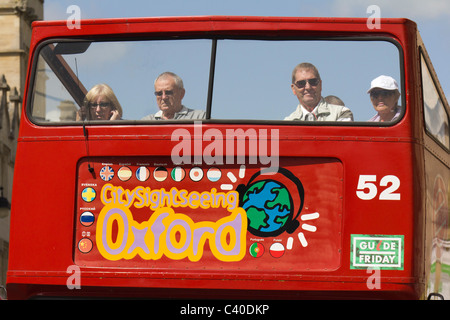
(342, 82)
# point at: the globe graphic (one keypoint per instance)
(268, 204)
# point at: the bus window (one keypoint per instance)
(253, 78)
(65, 72)
(436, 118)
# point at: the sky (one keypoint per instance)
(431, 16)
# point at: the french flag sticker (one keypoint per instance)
(142, 174)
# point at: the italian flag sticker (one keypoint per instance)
(177, 174)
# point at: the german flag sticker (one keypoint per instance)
(160, 174)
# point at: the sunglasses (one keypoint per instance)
(302, 83)
(167, 92)
(102, 105)
(383, 93)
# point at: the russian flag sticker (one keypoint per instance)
(87, 218)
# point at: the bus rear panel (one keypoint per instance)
(239, 200)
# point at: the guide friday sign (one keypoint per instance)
(376, 251)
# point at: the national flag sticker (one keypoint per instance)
(196, 174)
(85, 245)
(160, 174)
(142, 173)
(377, 251)
(256, 250)
(178, 174)
(214, 174)
(276, 250)
(124, 174)
(106, 173)
(87, 218)
(88, 194)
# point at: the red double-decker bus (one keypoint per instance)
(243, 157)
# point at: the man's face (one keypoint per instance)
(168, 96)
(307, 93)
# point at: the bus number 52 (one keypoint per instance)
(367, 187)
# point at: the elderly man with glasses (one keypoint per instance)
(169, 92)
(307, 86)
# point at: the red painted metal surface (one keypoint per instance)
(314, 260)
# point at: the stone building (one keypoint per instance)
(16, 17)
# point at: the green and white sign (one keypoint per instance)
(376, 251)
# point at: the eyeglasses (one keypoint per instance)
(302, 83)
(102, 105)
(383, 93)
(167, 92)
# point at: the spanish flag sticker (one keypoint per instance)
(124, 173)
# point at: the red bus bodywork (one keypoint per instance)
(51, 174)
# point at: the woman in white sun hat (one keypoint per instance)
(384, 95)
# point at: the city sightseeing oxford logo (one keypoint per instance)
(267, 197)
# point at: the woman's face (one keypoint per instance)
(384, 101)
(100, 108)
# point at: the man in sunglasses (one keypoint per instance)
(307, 86)
(384, 96)
(169, 92)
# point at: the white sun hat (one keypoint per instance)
(383, 82)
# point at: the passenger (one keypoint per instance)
(384, 95)
(307, 86)
(169, 92)
(334, 100)
(101, 104)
